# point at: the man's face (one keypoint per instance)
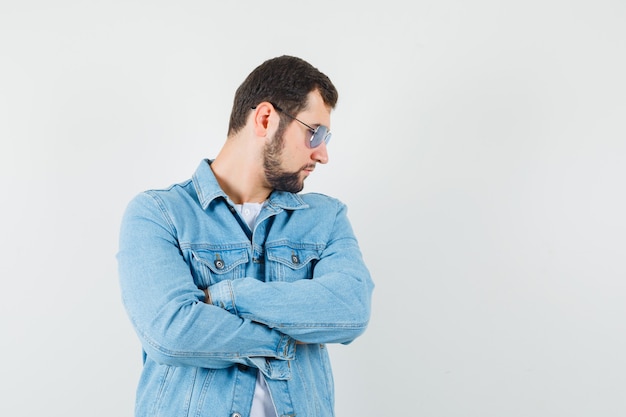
(287, 159)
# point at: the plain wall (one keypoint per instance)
(480, 146)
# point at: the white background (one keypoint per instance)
(480, 146)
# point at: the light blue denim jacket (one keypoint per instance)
(298, 276)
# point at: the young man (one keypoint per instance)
(235, 283)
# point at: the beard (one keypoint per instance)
(276, 176)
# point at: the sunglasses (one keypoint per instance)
(318, 134)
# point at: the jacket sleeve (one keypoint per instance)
(167, 310)
(332, 307)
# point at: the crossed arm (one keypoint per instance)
(180, 324)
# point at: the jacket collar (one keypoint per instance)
(208, 189)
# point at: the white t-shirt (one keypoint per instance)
(262, 405)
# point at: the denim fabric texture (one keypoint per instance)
(298, 276)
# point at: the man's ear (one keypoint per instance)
(265, 119)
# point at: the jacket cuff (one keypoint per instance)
(277, 368)
(222, 296)
(272, 368)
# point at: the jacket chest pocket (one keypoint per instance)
(284, 263)
(210, 266)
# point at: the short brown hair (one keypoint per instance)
(284, 81)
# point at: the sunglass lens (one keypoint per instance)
(321, 135)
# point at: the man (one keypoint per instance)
(233, 281)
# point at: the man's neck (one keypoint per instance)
(240, 175)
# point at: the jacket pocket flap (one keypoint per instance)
(220, 261)
(291, 257)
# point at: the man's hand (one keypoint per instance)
(207, 296)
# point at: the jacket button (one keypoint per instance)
(242, 367)
(219, 264)
(295, 259)
(235, 415)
